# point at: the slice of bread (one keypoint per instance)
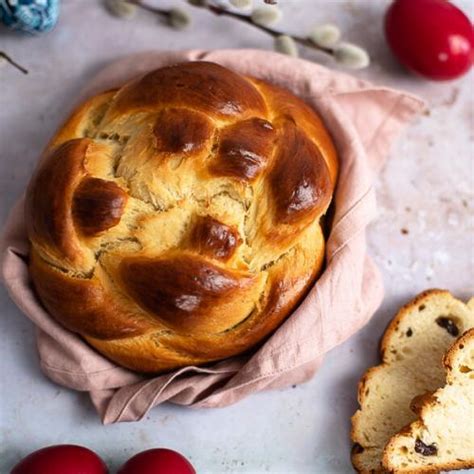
(412, 350)
(443, 436)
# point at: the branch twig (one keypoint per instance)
(238, 16)
(13, 63)
(274, 33)
(158, 11)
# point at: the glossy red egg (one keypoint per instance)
(433, 38)
(157, 461)
(61, 459)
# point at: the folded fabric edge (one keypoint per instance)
(109, 417)
(415, 103)
(212, 401)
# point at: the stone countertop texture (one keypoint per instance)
(423, 238)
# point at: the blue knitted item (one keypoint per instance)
(33, 16)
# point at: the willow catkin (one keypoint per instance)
(351, 56)
(286, 44)
(325, 36)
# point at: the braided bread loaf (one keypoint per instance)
(176, 220)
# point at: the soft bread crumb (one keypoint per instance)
(412, 349)
(443, 437)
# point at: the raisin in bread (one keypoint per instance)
(412, 349)
(443, 436)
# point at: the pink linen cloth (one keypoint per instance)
(363, 120)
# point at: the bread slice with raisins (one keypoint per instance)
(412, 350)
(443, 436)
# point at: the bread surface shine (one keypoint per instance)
(176, 220)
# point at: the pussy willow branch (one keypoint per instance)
(13, 63)
(274, 33)
(237, 16)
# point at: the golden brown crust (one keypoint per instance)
(286, 106)
(180, 130)
(175, 220)
(417, 403)
(299, 180)
(49, 199)
(207, 87)
(186, 291)
(245, 148)
(97, 205)
(83, 304)
(450, 356)
(214, 239)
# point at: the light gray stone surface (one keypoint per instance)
(426, 188)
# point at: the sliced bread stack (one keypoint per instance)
(412, 352)
(442, 438)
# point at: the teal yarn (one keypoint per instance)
(33, 16)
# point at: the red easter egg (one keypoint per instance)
(433, 38)
(61, 459)
(157, 461)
